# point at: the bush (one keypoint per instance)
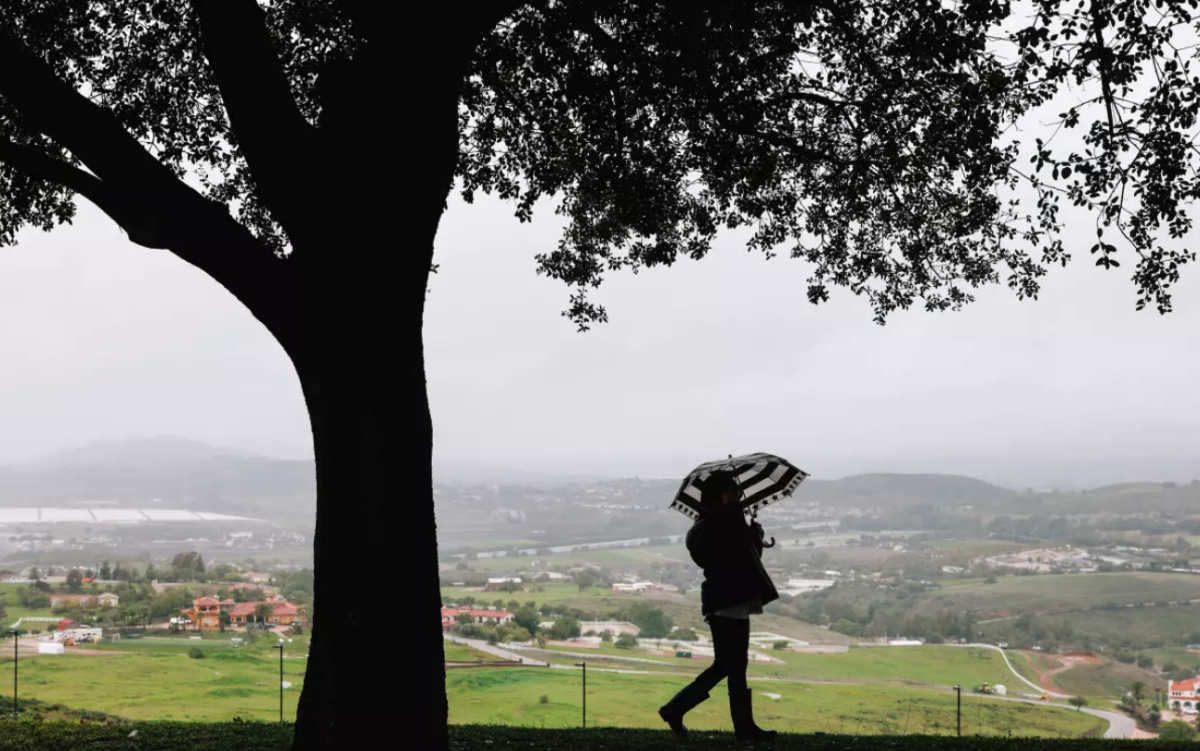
(1177, 730)
(606, 635)
(683, 634)
(1145, 662)
(196, 653)
(626, 641)
(1170, 667)
(781, 644)
(544, 699)
(1078, 702)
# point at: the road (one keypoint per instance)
(503, 654)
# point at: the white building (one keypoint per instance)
(50, 648)
(632, 587)
(799, 586)
(1183, 695)
(617, 627)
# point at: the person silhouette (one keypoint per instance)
(736, 586)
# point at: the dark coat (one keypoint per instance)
(730, 553)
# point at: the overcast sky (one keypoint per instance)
(106, 340)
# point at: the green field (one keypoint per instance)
(974, 547)
(1138, 627)
(162, 645)
(463, 653)
(552, 593)
(514, 697)
(931, 665)
(1030, 594)
(222, 686)
(1108, 680)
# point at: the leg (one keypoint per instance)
(740, 695)
(697, 691)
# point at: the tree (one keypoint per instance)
(35, 574)
(1137, 693)
(565, 628)
(651, 619)
(224, 619)
(683, 634)
(585, 580)
(626, 641)
(106, 573)
(1176, 730)
(74, 580)
(263, 614)
(867, 137)
(196, 653)
(527, 618)
(1145, 662)
(1078, 702)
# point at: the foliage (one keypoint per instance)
(74, 580)
(196, 653)
(1078, 702)
(1177, 730)
(684, 634)
(527, 618)
(565, 628)
(650, 618)
(606, 635)
(626, 641)
(781, 644)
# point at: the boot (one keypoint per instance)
(683, 702)
(743, 717)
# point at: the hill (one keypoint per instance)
(893, 491)
(182, 473)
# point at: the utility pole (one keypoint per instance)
(584, 666)
(958, 689)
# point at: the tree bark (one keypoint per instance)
(376, 666)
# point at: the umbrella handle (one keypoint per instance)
(770, 544)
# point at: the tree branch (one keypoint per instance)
(33, 163)
(137, 188)
(272, 134)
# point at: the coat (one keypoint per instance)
(729, 551)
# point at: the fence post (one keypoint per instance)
(584, 666)
(958, 689)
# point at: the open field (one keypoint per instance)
(1138, 627)
(462, 653)
(162, 645)
(1031, 594)
(974, 547)
(931, 665)
(1107, 679)
(513, 697)
(224, 685)
(1181, 656)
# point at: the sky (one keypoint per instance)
(105, 340)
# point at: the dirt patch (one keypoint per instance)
(822, 650)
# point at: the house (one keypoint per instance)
(497, 583)
(107, 600)
(1182, 695)
(450, 616)
(616, 627)
(206, 613)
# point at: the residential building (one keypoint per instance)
(206, 613)
(1183, 695)
(107, 600)
(450, 616)
(632, 586)
(617, 627)
(64, 600)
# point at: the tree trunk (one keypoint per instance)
(376, 666)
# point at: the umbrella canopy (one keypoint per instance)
(762, 478)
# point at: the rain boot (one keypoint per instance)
(743, 717)
(683, 702)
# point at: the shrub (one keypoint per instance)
(606, 635)
(544, 699)
(626, 641)
(1177, 730)
(196, 653)
(781, 644)
(1145, 662)
(683, 634)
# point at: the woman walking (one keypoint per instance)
(735, 587)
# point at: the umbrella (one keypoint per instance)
(762, 478)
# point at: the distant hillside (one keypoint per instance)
(184, 473)
(892, 491)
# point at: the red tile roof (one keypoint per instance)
(286, 609)
(489, 613)
(206, 601)
(1188, 685)
(65, 624)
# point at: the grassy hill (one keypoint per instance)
(541, 698)
(1015, 595)
(892, 491)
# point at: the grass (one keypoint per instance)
(161, 645)
(471, 737)
(151, 736)
(513, 697)
(553, 593)
(1029, 594)
(225, 685)
(463, 653)
(1178, 655)
(1109, 679)
(1138, 626)
(930, 665)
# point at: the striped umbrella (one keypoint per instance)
(762, 478)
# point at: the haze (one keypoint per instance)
(106, 340)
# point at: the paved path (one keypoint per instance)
(503, 654)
